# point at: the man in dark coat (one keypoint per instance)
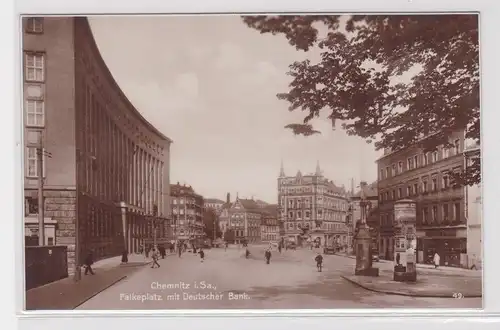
(319, 262)
(89, 260)
(268, 256)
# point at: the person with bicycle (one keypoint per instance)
(319, 262)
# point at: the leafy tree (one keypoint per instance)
(211, 221)
(363, 56)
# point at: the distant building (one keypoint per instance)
(214, 203)
(425, 178)
(187, 213)
(270, 229)
(108, 171)
(474, 214)
(312, 208)
(243, 217)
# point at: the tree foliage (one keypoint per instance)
(229, 236)
(211, 222)
(358, 81)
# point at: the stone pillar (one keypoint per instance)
(405, 241)
(123, 207)
(363, 252)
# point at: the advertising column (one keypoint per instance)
(405, 240)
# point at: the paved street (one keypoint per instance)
(228, 280)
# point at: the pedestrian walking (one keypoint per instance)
(163, 252)
(437, 259)
(194, 249)
(154, 255)
(279, 248)
(124, 257)
(202, 255)
(268, 256)
(319, 262)
(89, 261)
(225, 246)
(247, 254)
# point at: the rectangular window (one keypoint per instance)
(434, 184)
(35, 113)
(415, 161)
(456, 212)
(434, 213)
(308, 214)
(425, 215)
(456, 146)
(409, 163)
(446, 182)
(425, 159)
(387, 173)
(34, 67)
(415, 188)
(394, 171)
(32, 163)
(394, 194)
(400, 167)
(290, 215)
(409, 191)
(34, 25)
(434, 156)
(381, 174)
(50, 241)
(400, 192)
(446, 152)
(445, 213)
(424, 186)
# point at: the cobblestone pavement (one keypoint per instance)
(226, 279)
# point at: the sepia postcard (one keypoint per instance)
(251, 162)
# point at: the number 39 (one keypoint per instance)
(458, 295)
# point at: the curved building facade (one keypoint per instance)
(116, 164)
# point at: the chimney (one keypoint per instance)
(228, 198)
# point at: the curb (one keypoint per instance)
(399, 293)
(96, 293)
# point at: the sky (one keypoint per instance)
(209, 83)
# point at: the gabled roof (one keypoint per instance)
(248, 204)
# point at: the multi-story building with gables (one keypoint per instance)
(243, 217)
(312, 208)
(187, 213)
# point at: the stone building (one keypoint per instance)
(107, 175)
(424, 177)
(312, 208)
(187, 212)
(244, 218)
(270, 229)
(214, 204)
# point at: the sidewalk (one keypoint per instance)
(425, 269)
(66, 294)
(426, 286)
